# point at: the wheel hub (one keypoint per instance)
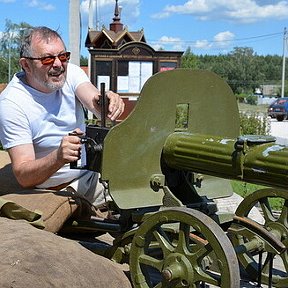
(178, 267)
(278, 230)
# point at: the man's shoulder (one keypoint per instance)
(75, 75)
(15, 83)
(14, 89)
(73, 67)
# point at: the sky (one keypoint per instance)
(210, 27)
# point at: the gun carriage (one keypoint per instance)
(166, 165)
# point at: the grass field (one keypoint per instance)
(244, 189)
(252, 108)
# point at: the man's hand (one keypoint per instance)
(70, 147)
(31, 172)
(116, 105)
(89, 96)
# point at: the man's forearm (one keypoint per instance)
(31, 173)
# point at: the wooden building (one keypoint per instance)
(124, 61)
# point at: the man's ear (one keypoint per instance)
(24, 64)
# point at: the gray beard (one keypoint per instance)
(54, 86)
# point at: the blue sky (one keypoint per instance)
(206, 26)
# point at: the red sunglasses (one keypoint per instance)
(48, 60)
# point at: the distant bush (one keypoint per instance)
(254, 124)
(247, 98)
(241, 97)
(252, 100)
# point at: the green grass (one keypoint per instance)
(244, 189)
(252, 108)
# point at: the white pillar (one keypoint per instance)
(74, 31)
(92, 9)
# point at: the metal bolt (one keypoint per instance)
(167, 275)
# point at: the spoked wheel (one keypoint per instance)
(182, 247)
(261, 244)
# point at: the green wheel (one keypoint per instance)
(261, 244)
(181, 247)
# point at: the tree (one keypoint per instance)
(83, 61)
(189, 60)
(244, 75)
(279, 91)
(10, 48)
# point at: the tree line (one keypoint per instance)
(242, 68)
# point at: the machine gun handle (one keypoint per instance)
(103, 104)
(83, 140)
(94, 138)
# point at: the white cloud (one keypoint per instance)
(245, 11)
(191, 7)
(255, 12)
(223, 39)
(168, 43)
(157, 47)
(178, 47)
(220, 40)
(41, 5)
(104, 11)
(169, 40)
(161, 15)
(171, 43)
(202, 44)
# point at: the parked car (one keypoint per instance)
(279, 109)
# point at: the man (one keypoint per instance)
(40, 107)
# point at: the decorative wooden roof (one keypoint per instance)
(114, 37)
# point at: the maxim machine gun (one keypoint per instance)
(167, 166)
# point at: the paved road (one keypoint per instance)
(280, 130)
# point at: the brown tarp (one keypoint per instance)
(8, 183)
(44, 209)
(32, 257)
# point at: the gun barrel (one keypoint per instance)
(252, 159)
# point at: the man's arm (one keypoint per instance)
(31, 172)
(88, 94)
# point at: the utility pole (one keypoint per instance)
(284, 60)
(74, 31)
(92, 9)
(9, 58)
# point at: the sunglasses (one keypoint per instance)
(48, 60)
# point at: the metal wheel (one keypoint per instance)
(182, 247)
(261, 244)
